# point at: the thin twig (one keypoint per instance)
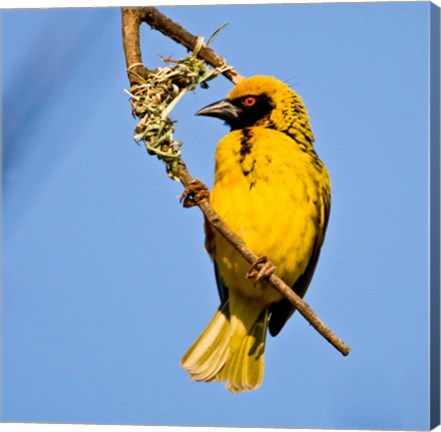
(131, 21)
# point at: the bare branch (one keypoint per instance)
(132, 19)
(131, 22)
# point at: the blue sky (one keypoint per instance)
(105, 279)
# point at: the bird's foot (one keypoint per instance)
(194, 193)
(262, 268)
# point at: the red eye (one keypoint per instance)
(249, 101)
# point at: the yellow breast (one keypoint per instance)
(268, 191)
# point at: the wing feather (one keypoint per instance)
(281, 311)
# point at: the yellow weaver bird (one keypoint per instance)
(274, 192)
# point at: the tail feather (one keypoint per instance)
(211, 365)
(230, 350)
(208, 353)
(244, 369)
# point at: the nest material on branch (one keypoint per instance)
(155, 96)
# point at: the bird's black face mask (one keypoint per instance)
(241, 112)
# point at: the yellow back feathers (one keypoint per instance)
(274, 192)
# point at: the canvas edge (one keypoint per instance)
(434, 88)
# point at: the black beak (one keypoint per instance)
(223, 110)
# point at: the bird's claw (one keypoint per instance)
(262, 268)
(194, 193)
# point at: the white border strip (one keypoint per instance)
(34, 4)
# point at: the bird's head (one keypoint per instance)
(263, 101)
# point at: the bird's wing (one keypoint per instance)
(281, 311)
(221, 288)
(210, 246)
